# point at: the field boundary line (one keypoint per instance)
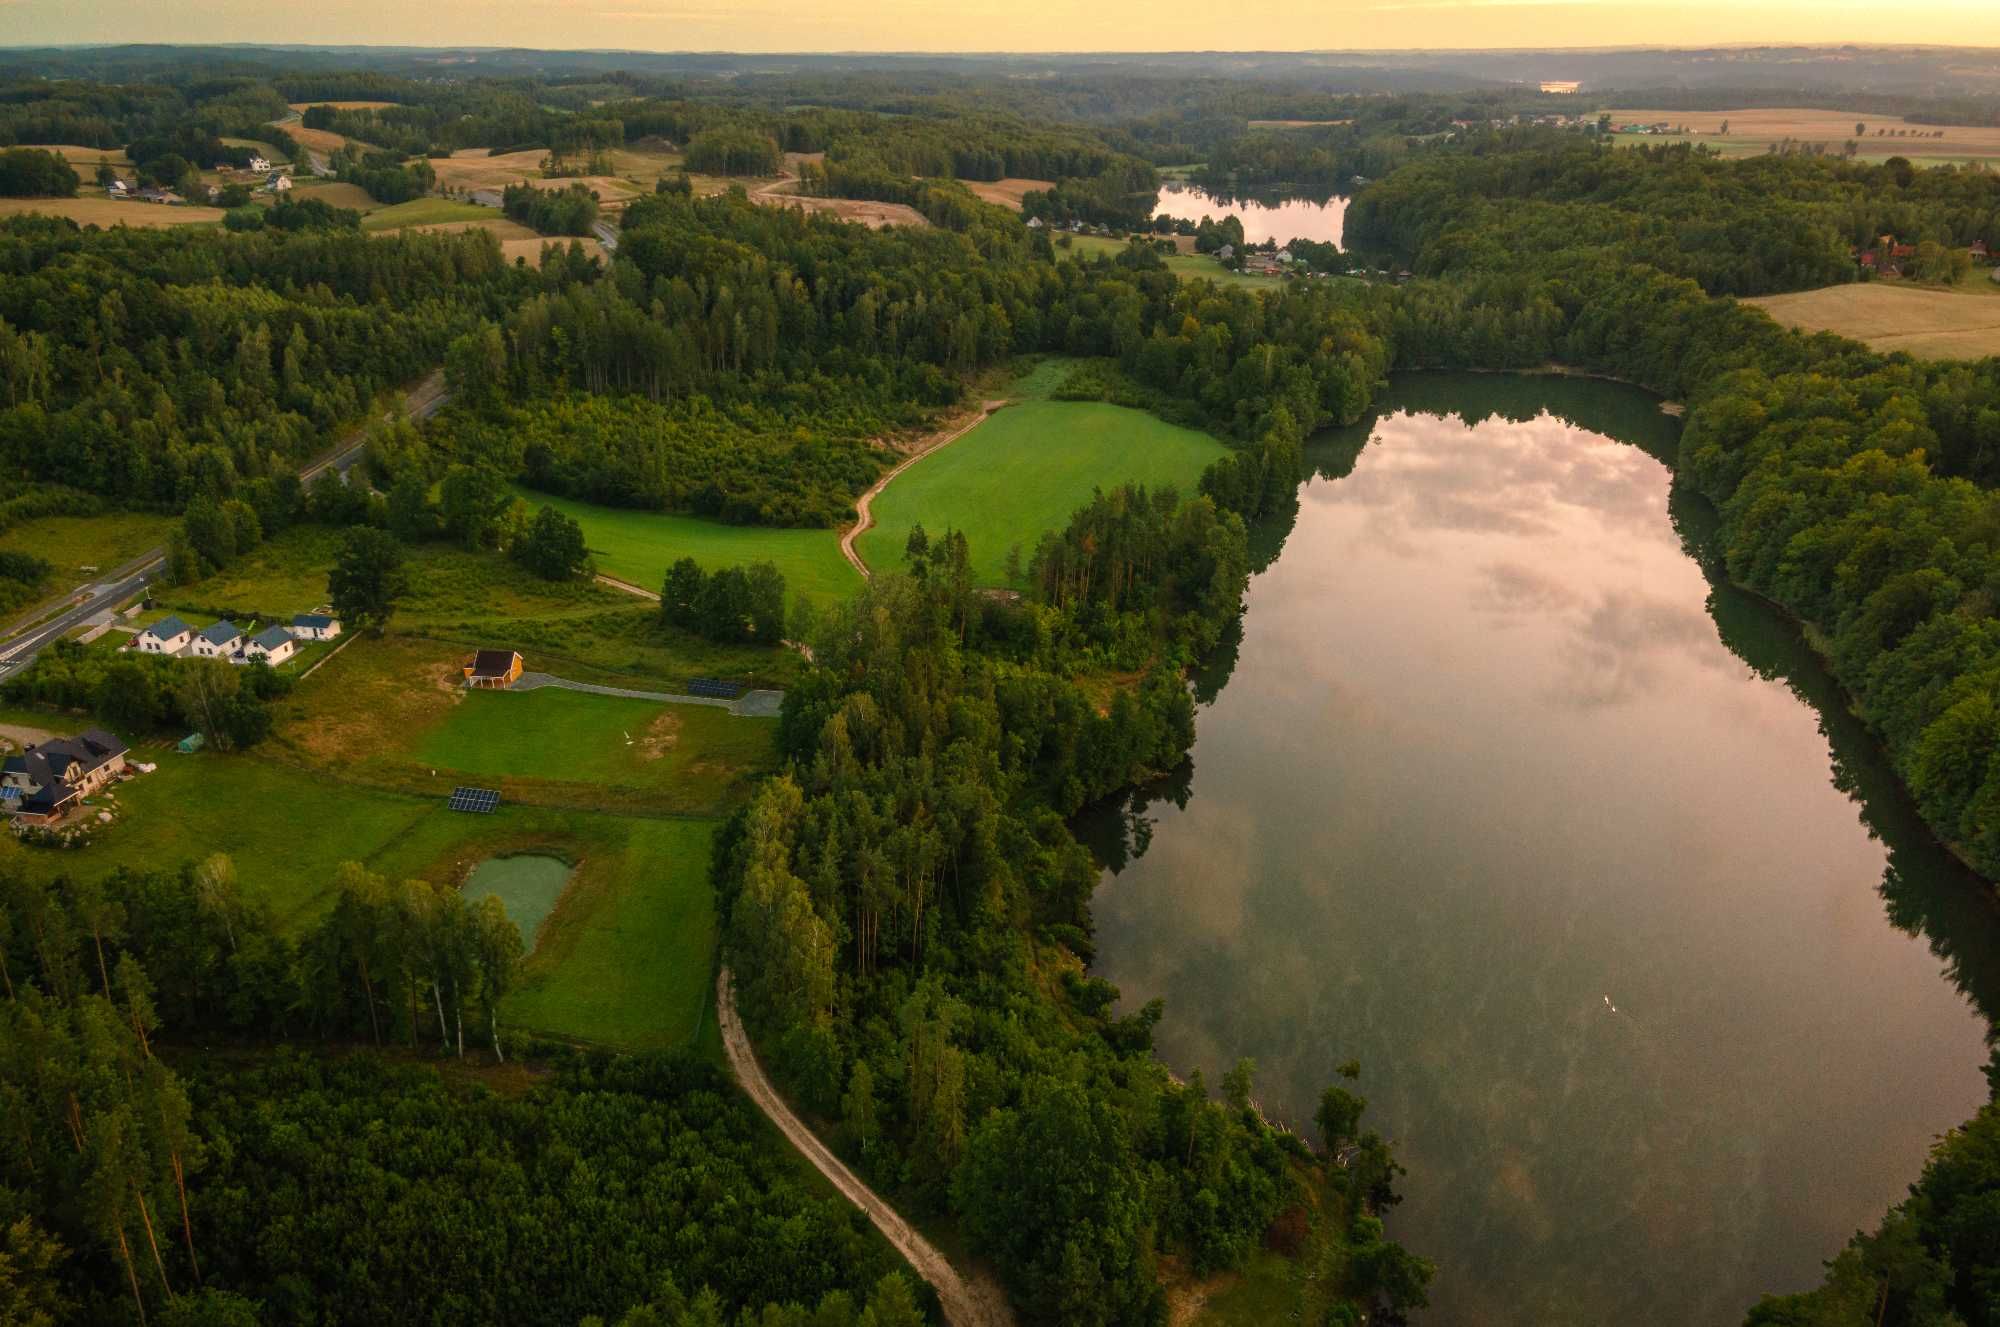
(864, 518)
(327, 658)
(966, 1303)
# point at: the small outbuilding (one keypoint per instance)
(495, 669)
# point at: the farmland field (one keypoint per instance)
(85, 156)
(870, 214)
(1024, 471)
(1753, 131)
(302, 106)
(427, 212)
(1934, 324)
(336, 194)
(1196, 265)
(638, 546)
(1006, 192)
(473, 169)
(107, 212)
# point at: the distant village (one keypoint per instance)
(275, 180)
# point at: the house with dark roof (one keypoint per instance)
(493, 668)
(218, 640)
(43, 783)
(273, 645)
(315, 626)
(169, 635)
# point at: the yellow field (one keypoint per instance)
(343, 105)
(85, 156)
(870, 214)
(1885, 315)
(1753, 131)
(108, 212)
(336, 194)
(1007, 192)
(503, 229)
(531, 248)
(1294, 124)
(473, 169)
(318, 140)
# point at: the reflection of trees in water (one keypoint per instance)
(1925, 890)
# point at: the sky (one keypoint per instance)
(993, 25)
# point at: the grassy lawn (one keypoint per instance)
(681, 752)
(626, 957)
(1184, 265)
(1264, 1291)
(75, 542)
(1024, 471)
(426, 212)
(638, 546)
(1931, 322)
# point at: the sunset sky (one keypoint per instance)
(992, 25)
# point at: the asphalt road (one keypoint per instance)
(19, 647)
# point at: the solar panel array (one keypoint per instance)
(715, 687)
(481, 800)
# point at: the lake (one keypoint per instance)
(1280, 219)
(1658, 987)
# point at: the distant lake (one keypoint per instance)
(1659, 988)
(1282, 220)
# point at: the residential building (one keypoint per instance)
(273, 645)
(169, 635)
(493, 668)
(260, 165)
(45, 782)
(218, 640)
(315, 626)
(278, 183)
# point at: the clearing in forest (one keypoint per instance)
(1007, 192)
(1023, 472)
(639, 546)
(1886, 315)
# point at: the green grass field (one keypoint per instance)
(426, 212)
(687, 754)
(75, 542)
(639, 546)
(627, 955)
(1024, 471)
(527, 885)
(1184, 265)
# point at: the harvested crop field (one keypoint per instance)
(1753, 131)
(85, 156)
(1933, 324)
(108, 212)
(343, 105)
(473, 169)
(317, 140)
(1294, 124)
(335, 194)
(532, 248)
(872, 215)
(1006, 192)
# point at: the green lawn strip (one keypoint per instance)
(527, 885)
(426, 212)
(1202, 266)
(686, 757)
(1025, 471)
(628, 955)
(72, 543)
(639, 546)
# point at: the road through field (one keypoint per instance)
(975, 1303)
(936, 442)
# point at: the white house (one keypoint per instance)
(1034, 223)
(278, 184)
(273, 645)
(1284, 255)
(218, 641)
(117, 189)
(315, 626)
(259, 165)
(169, 635)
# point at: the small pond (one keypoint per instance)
(527, 886)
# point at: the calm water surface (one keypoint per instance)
(1657, 986)
(1277, 219)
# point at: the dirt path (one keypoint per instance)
(936, 442)
(978, 1303)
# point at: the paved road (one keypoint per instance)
(607, 235)
(754, 704)
(977, 1302)
(24, 641)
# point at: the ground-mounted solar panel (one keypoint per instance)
(481, 801)
(715, 688)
